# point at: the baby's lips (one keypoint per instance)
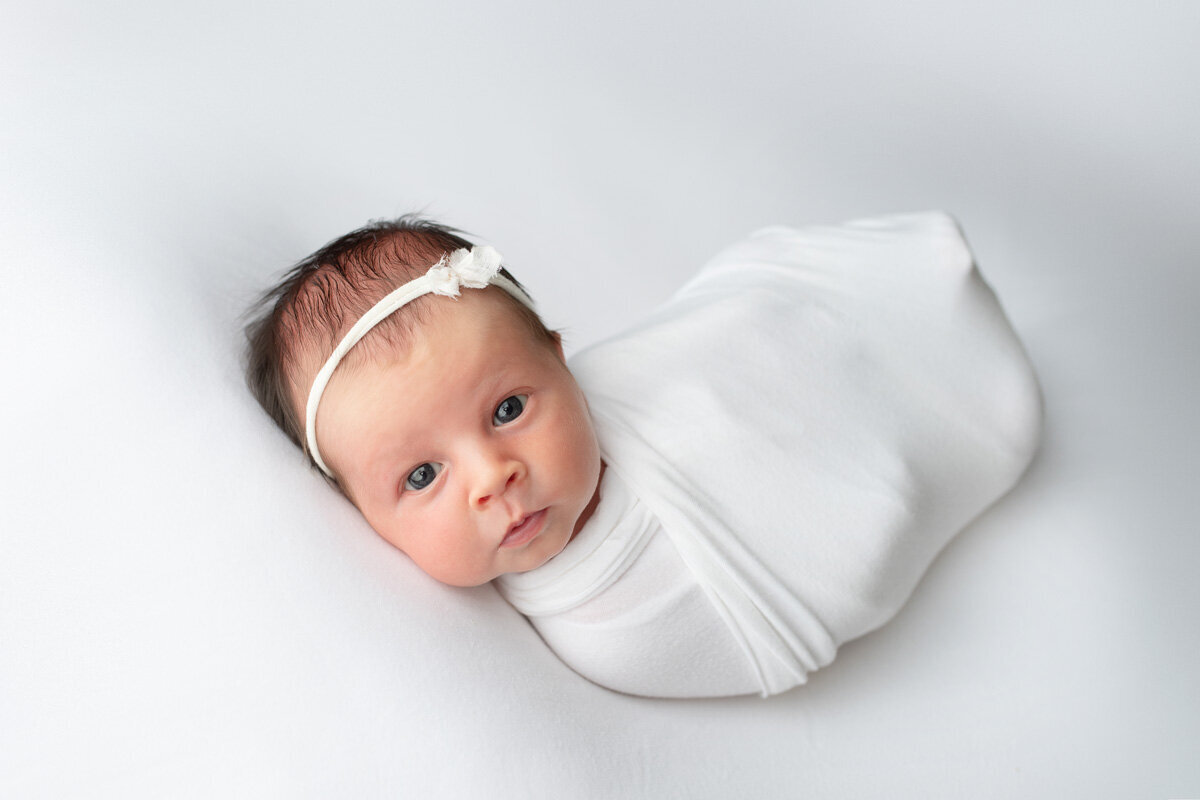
(523, 529)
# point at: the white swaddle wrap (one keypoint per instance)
(808, 422)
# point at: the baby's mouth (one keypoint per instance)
(524, 529)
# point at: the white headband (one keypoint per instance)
(474, 269)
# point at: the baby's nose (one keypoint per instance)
(497, 480)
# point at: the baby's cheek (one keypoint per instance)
(583, 453)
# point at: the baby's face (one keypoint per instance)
(472, 451)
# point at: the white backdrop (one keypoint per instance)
(186, 611)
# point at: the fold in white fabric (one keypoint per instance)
(807, 422)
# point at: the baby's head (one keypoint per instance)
(453, 424)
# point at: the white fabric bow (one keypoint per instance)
(472, 268)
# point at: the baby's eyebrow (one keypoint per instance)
(386, 462)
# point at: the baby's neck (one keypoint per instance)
(590, 508)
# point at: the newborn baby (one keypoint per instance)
(708, 504)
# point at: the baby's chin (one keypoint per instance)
(541, 563)
(471, 581)
(536, 560)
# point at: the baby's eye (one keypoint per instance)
(510, 409)
(422, 476)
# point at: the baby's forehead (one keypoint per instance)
(453, 363)
(480, 330)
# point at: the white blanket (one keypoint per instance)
(809, 420)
